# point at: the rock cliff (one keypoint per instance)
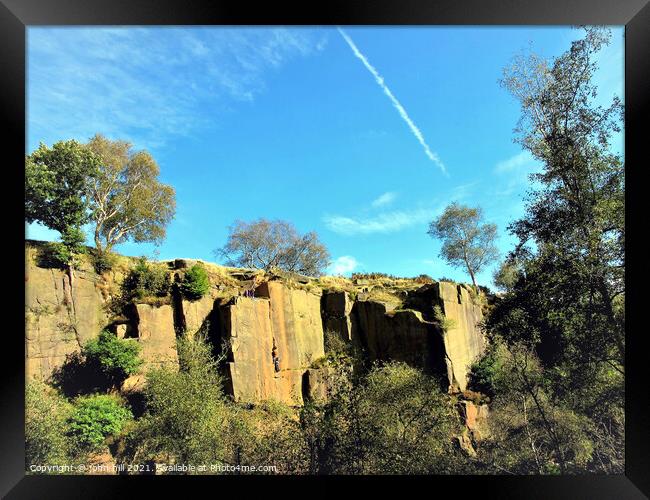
(269, 327)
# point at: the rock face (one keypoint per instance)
(414, 334)
(154, 329)
(277, 317)
(336, 309)
(401, 335)
(274, 333)
(192, 314)
(59, 318)
(464, 342)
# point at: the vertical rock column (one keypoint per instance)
(464, 342)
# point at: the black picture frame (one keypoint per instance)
(16, 15)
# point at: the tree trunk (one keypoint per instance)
(98, 241)
(471, 273)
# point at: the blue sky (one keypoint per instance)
(363, 136)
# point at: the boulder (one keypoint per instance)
(474, 418)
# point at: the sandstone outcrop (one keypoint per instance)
(400, 335)
(336, 309)
(59, 318)
(154, 329)
(463, 340)
(273, 332)
(277, 320)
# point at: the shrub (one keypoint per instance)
(395, 421)
(195, 283)
(185, 415)
(146, 280)
(443, 321)
(485, 371)
(115, 358)
(64, 253)
(95, 418)
(103, 261)
(45, 414)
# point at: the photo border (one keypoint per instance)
(16, 15)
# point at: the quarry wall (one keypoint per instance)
(271, 328)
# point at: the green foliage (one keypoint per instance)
(103, 261)
(45, 415)
(146, 280)
(56, 183)
(507, 275)
(466, 242)
(195, 283)
(530, 430)
(186, 418)
(128, 200)
(443, 321)
(95, 418)
(56, 186)
(485, 372)
(395, 421)
(560, 318)
(115, 358)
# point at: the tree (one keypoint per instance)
(56, 187)
(267, 244)
(466, 242)
(128, 201)
(186, 416)
(575, 219)
(506, 275)
(568, 299)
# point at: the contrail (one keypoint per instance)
(400, 109)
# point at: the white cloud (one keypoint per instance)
(514, 173)
(514, 163)
(384, 199)
(398, 106)
(343, 265)
(149, 83)
(387, 222)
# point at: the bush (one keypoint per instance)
(103, 261)
(45, 415)
(64, 253)
(195, 283)
(443, 321)
(146, 280)
(485, 371)
(115, 358)
(395, 421)
(185, 417)
(95, 418)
